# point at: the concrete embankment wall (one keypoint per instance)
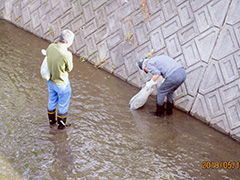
(203, 35)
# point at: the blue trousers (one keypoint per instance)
(170, 84)
(59, 95)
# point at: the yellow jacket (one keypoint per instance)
(59, 63)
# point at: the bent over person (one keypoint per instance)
(59, 63)
(174, 75)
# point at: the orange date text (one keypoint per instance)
(220, 164)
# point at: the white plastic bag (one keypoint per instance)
(140, 98)
(44, 67)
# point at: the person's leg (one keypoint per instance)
(161, 94)
(52, 117)
(167, 88)
(178, 77)
(52, 103)
(164, 90)
(170, 97)
(52, 97)
(169, 103)
(64, 102)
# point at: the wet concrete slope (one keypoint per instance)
(107, 140)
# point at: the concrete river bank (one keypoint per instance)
(107, 140)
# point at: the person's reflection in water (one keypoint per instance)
(63, 159)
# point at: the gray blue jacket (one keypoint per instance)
(162, 65)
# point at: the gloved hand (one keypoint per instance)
(150, 83)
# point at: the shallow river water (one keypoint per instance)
(107, 140)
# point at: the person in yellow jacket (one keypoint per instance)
(60, 63)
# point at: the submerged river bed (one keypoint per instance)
(106, 140)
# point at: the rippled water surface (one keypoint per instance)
(107, 140)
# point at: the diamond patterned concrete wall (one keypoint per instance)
(203, 35)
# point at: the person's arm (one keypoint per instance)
(69, 62)
(153, 81)
(155, 77)
(156, 74)
(154, 71)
